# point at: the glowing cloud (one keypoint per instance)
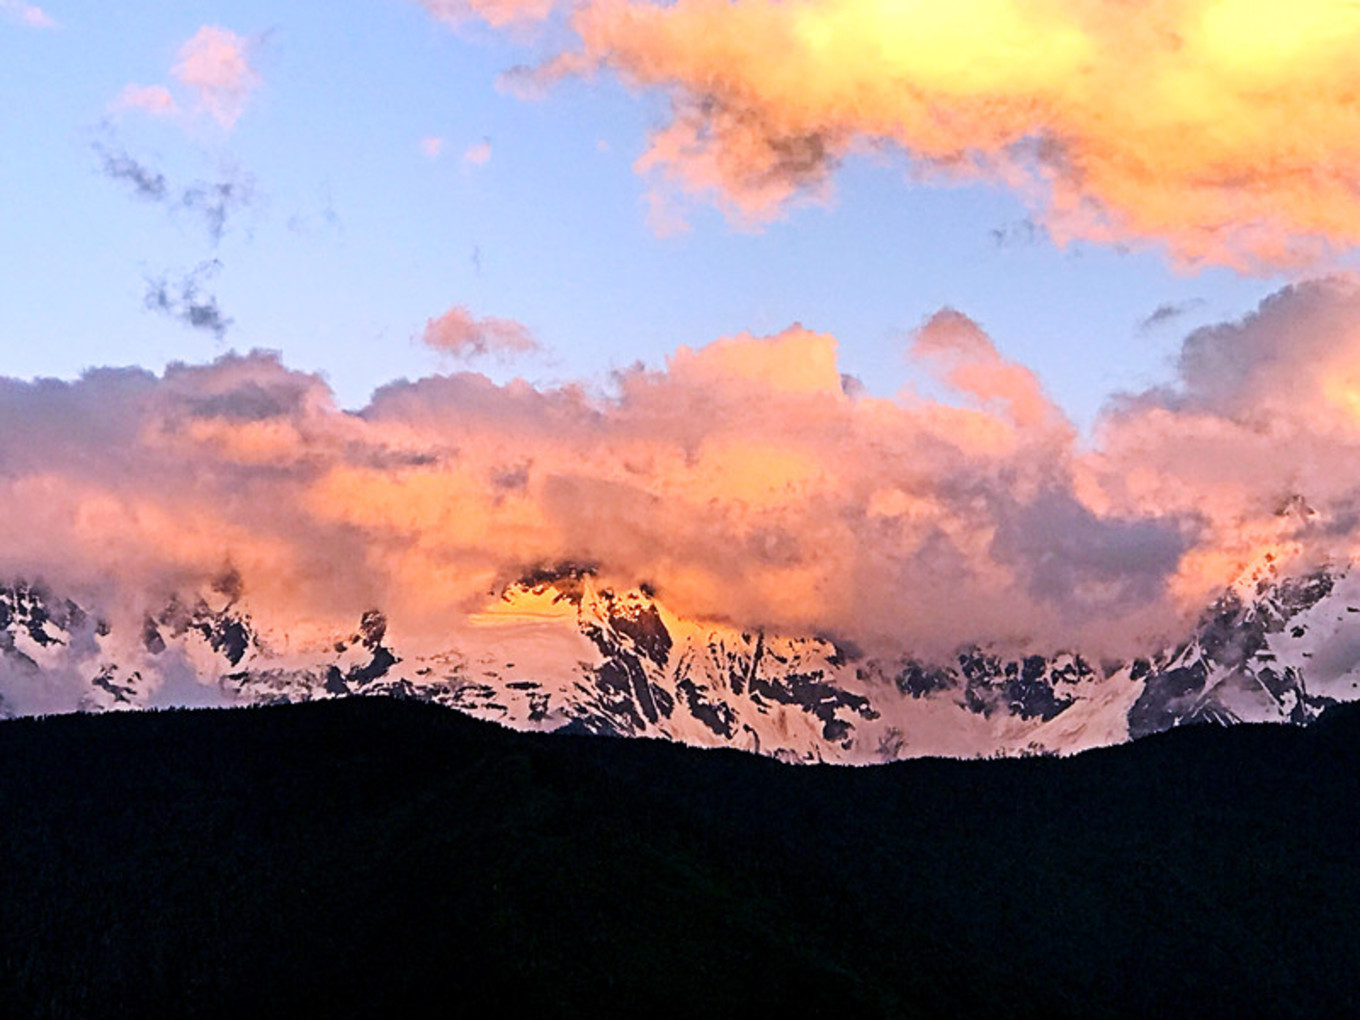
(1226, 129)
(740, 482)
(743, 482)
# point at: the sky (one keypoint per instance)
(803, 313)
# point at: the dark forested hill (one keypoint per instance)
(361, 856)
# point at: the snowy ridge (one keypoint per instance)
(560, 651)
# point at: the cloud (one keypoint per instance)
(1265, 413)
(970, 364)
(431, 146)
(459, 333)
(153, 99)
(26, 14)
(1166, 313)
(184, 300)
(215, 202)
(215, 65)
(1018, 233)
(495, 12)
(478, 154)
(1221, 129)
(744, 480)
(146, 182)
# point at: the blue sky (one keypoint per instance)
(354, 237)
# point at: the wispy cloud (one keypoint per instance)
(431, 146)
(478, 154)
(184, 299)
(153, 99)
(214, 202)
(144, 181)
(1018, 233)
(217, 201)
(1164, 314)
(26, 14)
(495, 12)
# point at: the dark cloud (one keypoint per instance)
(217, 200)
(1018, 233)
(251, 401)
(214, 201)
(1165, 313)
(513, 478)
(145, 182)
(184, 300)
(1089, 565)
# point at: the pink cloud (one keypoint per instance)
(478, 154)
(215, 65)
(27, 14)
(459, 333)
(972, 365)
(153, 99)
(494, 12)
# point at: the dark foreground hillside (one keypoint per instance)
(363, 856)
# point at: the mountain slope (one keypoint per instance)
(368, 855)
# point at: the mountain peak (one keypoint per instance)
(563, 648)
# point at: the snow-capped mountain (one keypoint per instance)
(561, 651)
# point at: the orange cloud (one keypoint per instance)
(1224, 129)
(795, 361)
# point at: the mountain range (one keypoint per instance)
(560, 650)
